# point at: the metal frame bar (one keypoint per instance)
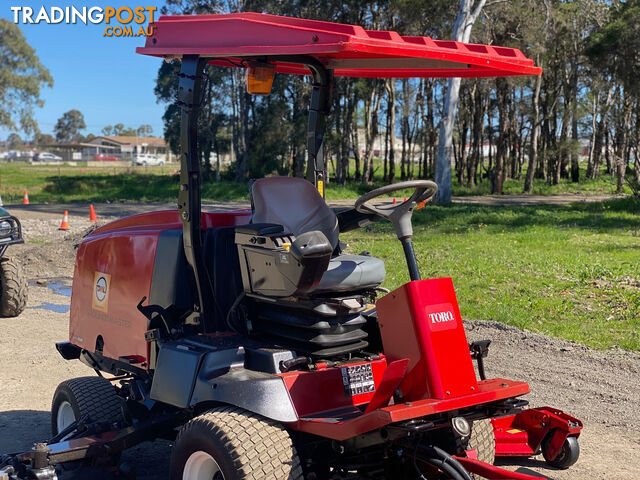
(318, 111)
(17, 226)
(189, 196)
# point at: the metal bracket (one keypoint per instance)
(479, 351)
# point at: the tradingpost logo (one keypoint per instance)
(119, 22)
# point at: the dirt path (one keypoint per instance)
(601, 388)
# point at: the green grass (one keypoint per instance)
(605, 184)
(47, 184)
(570, 272)
(51, 184)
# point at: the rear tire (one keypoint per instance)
(92, 397)
(228, 443)
(483, 441)
(13, 288)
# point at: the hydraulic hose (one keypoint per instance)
(440, 459)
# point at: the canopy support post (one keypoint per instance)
(318, 110)
(189, 202)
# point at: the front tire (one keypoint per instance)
(228, 443)
(13, 288)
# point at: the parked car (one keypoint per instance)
(104, 157)
(147, 159)
(46, 157)
(20, 156)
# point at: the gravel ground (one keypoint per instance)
(601, 388)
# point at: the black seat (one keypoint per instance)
(295, 204)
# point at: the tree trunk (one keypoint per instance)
(371, 131)
(603, 126)
(387, 130)
(562, 167)
(502, 93)
(607, 151)
(621, 136)
(594, 127)
(242, 133)
(575, 169)
(429, 167)
(476, 135)
(339, 116)
(461, 32)
(535, 133)
(348, 145)
(390, 85)
(355, 146)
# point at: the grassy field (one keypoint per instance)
(51, 184)
(571, 272)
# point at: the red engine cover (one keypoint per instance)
(113, 271)
(421, 321)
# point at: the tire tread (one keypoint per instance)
(259, 448)
(96, 398)
(14, 288)
(484, 442)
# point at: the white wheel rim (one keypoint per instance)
(201, 466)
(65, 416)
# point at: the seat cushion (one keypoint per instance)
(351, 272)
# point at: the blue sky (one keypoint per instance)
(100, 76)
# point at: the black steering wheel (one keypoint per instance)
(399, 214)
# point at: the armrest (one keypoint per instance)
(350, 219)
(311, 244)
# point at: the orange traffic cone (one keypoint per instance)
(92, 214)
(25, 199)
(65, 221)
(394, 200)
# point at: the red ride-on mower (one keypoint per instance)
(250, 339)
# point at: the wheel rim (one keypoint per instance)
(201, 466)
(65, 416)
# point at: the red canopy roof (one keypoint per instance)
(349, 50)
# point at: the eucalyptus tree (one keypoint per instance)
(22, 76)
(467, 15)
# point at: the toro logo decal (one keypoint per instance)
(440, 317)
(100, 297)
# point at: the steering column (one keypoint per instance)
(400, 214)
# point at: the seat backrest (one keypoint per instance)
(295, 204)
